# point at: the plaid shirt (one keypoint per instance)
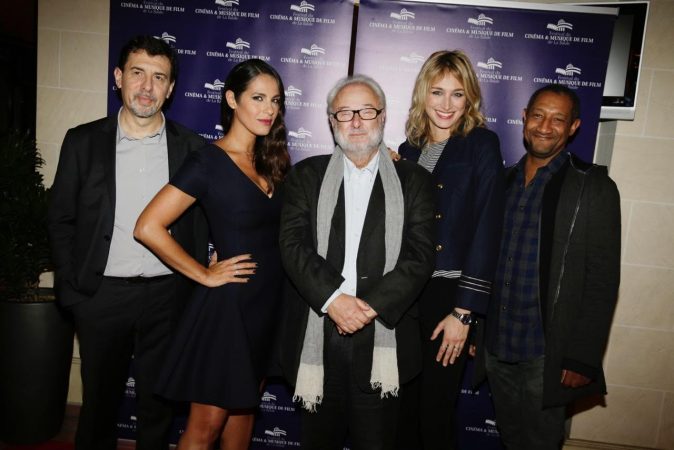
(520, 330)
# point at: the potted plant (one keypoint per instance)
(35, 337)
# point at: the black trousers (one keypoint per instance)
(123, 319)
(347, 408)
(430, 417)
(517, 391)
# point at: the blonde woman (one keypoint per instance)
(446, 134)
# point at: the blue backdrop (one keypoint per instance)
(515, 49)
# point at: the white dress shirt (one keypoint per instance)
(358, 185)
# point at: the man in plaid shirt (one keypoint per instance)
(557, 279)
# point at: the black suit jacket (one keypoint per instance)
(313, 279)
(82, 208)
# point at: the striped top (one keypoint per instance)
(430, 155)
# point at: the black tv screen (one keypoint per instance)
(622, 75)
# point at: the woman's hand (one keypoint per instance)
(395, 156)
(454, 335)
(232, 270)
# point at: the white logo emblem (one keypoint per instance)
(169, 39)
(561, 25)
(481, 20)
(404, 15)
(303, 7)
(219, 128)
(413, 58)
(227, 2)
(133, 418)
(569, 71)
(313, 51)
(301, 133)
(491, 64)
(490, 422)
(131, 382)
(276, 432)
(217, 85)
(267, 396)
(292, 91)
(239, 44)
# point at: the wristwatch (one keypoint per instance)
(465, 319)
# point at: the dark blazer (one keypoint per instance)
(469, 186)
(82, 208)
(313, 279)
(579, 274)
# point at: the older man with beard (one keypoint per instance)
(357, 244)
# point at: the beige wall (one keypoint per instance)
(72, 79)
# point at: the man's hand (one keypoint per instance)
(573, 379)
(348, 315)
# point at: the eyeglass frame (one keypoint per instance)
(354, 112)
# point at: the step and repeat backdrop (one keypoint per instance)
(515, 49)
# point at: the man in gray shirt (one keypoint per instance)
(124, 300)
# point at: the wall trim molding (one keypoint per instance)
(581, 443)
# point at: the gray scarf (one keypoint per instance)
(309, 386)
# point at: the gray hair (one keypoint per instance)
(356, 79)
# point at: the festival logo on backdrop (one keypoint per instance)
(301, 140)
(490, 71)
(302, 14)
(413, 58)
(559, 33)
(213, 136)
(227, 10)
(153, 7)
(172, 41)
(168, 38)
(210, 93)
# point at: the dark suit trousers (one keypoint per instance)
(347, 408)
(123, 319)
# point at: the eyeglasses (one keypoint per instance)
(346, 115)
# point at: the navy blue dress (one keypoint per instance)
(224, 342)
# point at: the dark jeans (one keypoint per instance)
(347, 409)
(123, 319)
(517, 391)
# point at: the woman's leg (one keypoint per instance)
(238, 430)
(204, 425)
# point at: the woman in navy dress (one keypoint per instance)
(447, 135)
(222, 348)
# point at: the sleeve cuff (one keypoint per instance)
(579, 367)
(330, 299)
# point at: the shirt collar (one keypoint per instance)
(552, 167)
(155, 138)
(371, 167)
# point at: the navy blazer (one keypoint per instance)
(469, 199)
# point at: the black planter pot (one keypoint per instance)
(36, 345)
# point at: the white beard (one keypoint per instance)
(360, 150)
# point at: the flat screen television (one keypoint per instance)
(622, 75)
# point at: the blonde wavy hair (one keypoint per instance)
(457, 63)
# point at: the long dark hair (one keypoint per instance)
(270, 155)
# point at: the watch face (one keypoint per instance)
(465, 319)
